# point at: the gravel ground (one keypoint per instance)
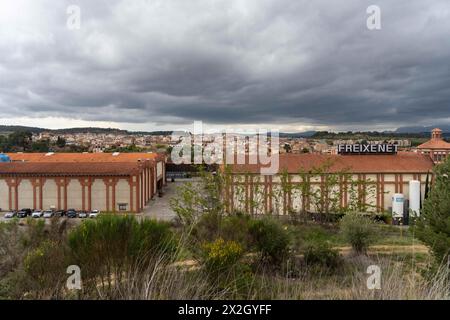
(159, 208)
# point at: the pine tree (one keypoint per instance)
(433, 227)
(427, 187)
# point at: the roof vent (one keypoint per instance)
(115, 154)
(49, 154)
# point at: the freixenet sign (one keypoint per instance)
(367, 149)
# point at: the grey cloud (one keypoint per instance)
(228, 62)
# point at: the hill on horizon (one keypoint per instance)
(422, 130)
(13, 128)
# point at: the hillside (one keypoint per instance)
(9, 129)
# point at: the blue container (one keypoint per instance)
(4, 158)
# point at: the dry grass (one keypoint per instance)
(181, 281)
(179, 277)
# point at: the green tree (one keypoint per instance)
(359, 231)
(305, 150)
(193, 199)
(40, 146)
(271, 239)
(20, 140)
(433, 227)
(60, 142)
(4, 145)
(427, 186)
(287, 147)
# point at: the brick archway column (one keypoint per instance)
(145, 186)
(152, 184)
(164, 172)
(62, 182)
(133, 182)
(41, 191)
(110, 182)
(149, 182)
(141, 194)
(86, 184)
(138, 193)
(13, 183)
(38, 184)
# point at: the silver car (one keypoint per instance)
(48, 214)
(94, 214)
(82, 214)
(10, 214)
(37, 214)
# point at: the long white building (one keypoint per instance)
(109, 182)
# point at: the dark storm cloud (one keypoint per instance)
(227, 62)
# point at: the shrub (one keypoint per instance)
(271, 239)
(11, 251)
(433, 226)
(45, 269)
(236, 228)
(114, 243)
(32, 258)
(211, 226)
(221, 255)
(359, 231)
(206, 228)
(323, 255)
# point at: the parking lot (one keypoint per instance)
(158, 208)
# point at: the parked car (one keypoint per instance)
(82, 214)
(71, 213)
(48, 214)
(24, 213)
(60, 213)
(94, 213)
(21, 214)
(37, 214)
(10, 214)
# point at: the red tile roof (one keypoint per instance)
(66, 168)
(400, 163)
(84, 157)
(435, 144)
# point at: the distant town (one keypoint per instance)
(31, 139)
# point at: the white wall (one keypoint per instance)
(159, 169)
(74, 195)
(98, 195)
(371, 198)
(123, 193)
(25, 191)
(50, 194)
(4, 195)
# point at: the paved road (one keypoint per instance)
(159, 208)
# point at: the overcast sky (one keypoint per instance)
(289, 64)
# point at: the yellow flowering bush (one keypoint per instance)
(221, 255)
